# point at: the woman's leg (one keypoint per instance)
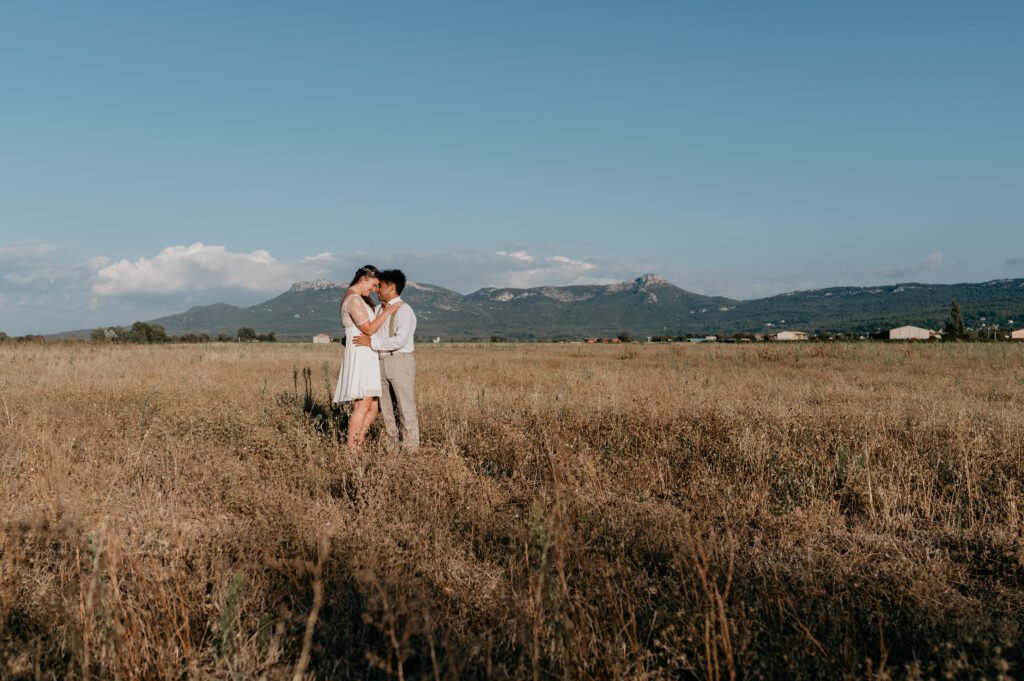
(355, 425)
(368, 416)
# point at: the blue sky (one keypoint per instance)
(161, 155)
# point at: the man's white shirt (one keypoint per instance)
(405, 329)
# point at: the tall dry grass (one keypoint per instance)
(643, 512)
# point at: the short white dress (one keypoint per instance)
(360, 369)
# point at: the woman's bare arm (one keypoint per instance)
(370, 327)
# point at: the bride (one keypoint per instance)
(359, 380)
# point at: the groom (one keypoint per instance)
(394, 346)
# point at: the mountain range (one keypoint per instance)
(646, 306)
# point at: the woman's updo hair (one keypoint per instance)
(365, 271)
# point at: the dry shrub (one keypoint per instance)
(709, 512)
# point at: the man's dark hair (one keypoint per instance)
(396, 277)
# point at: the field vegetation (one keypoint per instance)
(636, 511)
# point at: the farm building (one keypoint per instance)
(1017, 335)
(321, 338)
(791, 336)
(912, 333)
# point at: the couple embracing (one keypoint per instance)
(379, 369)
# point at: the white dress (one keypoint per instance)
(360, 369)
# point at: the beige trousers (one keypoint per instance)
(398, 387)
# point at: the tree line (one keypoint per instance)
(28, 338)
(144, 333)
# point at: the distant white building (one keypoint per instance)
(1017, 335)
(912, 333)
(791, 336)
(321, 338)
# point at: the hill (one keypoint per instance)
(857, 309)
(648, 305)
(308, 308)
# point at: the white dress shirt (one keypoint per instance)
(405, 329)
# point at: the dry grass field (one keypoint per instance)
(639, 512)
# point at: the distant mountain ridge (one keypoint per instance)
(647, 305)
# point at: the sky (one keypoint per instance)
(158, 155)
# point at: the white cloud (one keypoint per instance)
(28, 251)
(40, 268)
(600, 281)
(521, 256)
(932, 263)
(569, 262)
(199, 267)
(27, 279)
(522, 269)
